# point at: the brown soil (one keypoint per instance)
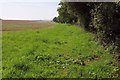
(18, 25)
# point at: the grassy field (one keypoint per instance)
(60, 51)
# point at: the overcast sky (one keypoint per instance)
(28, 9)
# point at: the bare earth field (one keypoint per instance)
(19, 25)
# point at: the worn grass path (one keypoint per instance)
(62, 51)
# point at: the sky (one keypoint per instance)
(28, 9)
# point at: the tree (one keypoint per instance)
(100, 18)
(64, 15)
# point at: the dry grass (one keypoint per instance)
(20, 25)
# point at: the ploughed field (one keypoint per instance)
(19, 25)
(33, 49)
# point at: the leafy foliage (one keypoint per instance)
(64, 15)
(106, 20)
(100, 18)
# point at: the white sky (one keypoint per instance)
(28, 9)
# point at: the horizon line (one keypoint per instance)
(29, 19)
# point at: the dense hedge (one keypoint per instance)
(105, 18)
(100, 18)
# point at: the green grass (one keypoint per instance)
(0, 55)
(62, 51)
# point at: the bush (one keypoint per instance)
(100, 18)
(105, 18)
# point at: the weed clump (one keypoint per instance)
(21, 66)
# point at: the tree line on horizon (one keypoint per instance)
(100, 18)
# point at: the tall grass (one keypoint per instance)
(62, 51)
